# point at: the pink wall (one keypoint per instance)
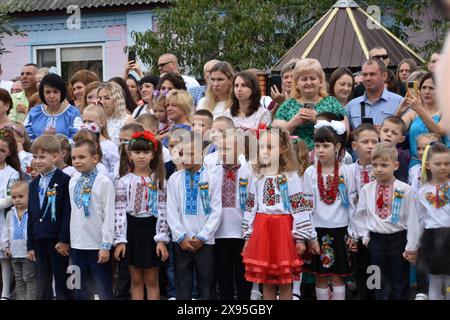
(115, 58)
(12, 62)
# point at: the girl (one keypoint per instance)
(64, 161)
(276, 224)
(6, 104)
(330, 189)
(9, 173)
(141, 228)
(23, 148)
(434, 212)
(96, 114)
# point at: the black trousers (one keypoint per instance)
(386, 251)
(230, 270)
(361, 260)
(49, 264)
(185, 262)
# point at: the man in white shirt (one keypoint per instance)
(168, 62)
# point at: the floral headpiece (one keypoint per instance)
(92, 126)
(158, 93)
(262, 127)
(6, 133)
(146, 136)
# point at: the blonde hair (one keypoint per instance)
(46, 144)
(117, 96)
(210, 99)
(308, 65)
(183, 100)
(89, 88)
(384, 150)
(429, 136)
(100, 112)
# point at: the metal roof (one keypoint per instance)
(343, 38)
(48, 5)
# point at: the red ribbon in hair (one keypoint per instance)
(147, 136)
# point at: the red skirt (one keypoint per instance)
(270, 256)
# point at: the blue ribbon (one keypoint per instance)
(282, 183)
(152, 198)
(243, 186)
(343, 193)
(51, 204)
(396, 205)
(204, 195)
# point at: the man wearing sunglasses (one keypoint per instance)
(168, 62)
(380, 53)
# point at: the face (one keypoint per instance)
(427, 92)
(166, 64)
(82, 160)
(105, 99)
(19, 197)
(421, 145)
(286, 81)
(220, 83)
(383, 169)
(78, 90)
(52, 96)
(373, 78)
(27, 76)
(90, 117)
(125, 135)
(404, 71)
(433, 62)
(207, 71)
(201, 124)
(391, 133)
(308, 84)
(131, 84)
(364, 144)
(160, 112)
(17, 87)
(34, 173)
(269, 149)
(439, 165)
(45, 161)
(228, 149)
(4, 151)
(343, 87)
(167, 86)
(241, 90)
(91, 97)
(381, 54)
(141, 159)
(358, 80)
(326, 151)
(147, 91)
(174, 112)
(218, 131)
(187, 154)
(3, 107)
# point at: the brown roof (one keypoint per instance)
(47, 5)
(341, 38)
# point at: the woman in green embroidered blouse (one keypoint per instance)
(308, 87)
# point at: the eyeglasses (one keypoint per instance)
(383, 57)
(163, 64)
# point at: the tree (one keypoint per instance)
(7, 27)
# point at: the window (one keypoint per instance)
(70, 59)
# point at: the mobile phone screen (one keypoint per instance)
(367, 120)
(131, 55)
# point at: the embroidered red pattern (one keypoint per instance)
(250, 202)
(138, 198)
(270, 197)
(384, 201)
(229, 189)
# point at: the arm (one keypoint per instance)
(251, 207)
(30, 222)
(359, 219)
(352, 196)
(4, 240)
(120, 235)
(437, 128)
(64, 233)
(412, 222)
(162, 228)
(214, 218)
(302, 204)
(107, 195)
(5, 202)
(174, 211)
(28, 123)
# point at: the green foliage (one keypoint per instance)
(7, 27)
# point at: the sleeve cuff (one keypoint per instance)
(181, 238)
(201, 238)
(106, 246)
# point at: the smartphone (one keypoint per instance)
(309, 105)
(413, 87)
(367, 120)
(131, 55)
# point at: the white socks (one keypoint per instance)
(296, 293)
(6, 278)
(438, 283)
(338, 293)
(322, 294)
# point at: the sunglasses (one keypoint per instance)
(383, 57)
(163, 64)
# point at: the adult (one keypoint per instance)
(147, 86)
(246, 110)
(90, 95)
(392, 82)
(198, 92)
(168, 82)
(54, 115)
(168, 62)
(405, 68)
(21, 100)
(180, 106)
(218, 94)
(434, 60)
(377, 103)
(308, 87)
(111, 96)
(5, 84)
(421, 114)
(17, 86)
(5, 105)
(129, 101)
(287, 74)
(133, 87)
(78, 83)
(341, 85)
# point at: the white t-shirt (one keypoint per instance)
(219, 108)
(190, 82)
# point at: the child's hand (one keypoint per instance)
(63, 249)
(103, 256)
(161, 251)
(314, 247)
(120, 251)
(32, 255)
(196, 244)
(410, 256)
(301, 247)
(352, 245)
(7, 252)
(186, 245)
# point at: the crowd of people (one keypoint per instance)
(157, 186)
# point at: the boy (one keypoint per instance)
(201, 123)
(193, 214)
(14, 243)
(48, 220)
(150, 123)
(365, 140)
(393, 131)
(92, 221)
(221, 127)
(386, 220)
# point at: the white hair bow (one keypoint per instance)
(337, 126)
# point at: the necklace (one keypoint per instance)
(328, 195)
(61, 106)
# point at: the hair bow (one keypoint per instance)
(337, 126)
(262, 127)
(92, 126)
(146, 136)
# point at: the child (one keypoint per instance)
(160, 111)
(393, 131)
(64, 161)
(386, 220)
(9, 173)
(128, 130)
(415, 172)
(141, 227)
(34, 173)
(96, 114)
(329, 188)
(229, 243)
(92, 221)
(49, 220)
(14, 243)
(150, 123)
(193, 214)
(91, 132)
(23, 148)
(275, 225)
(219, 129)
(434, 211)
(202, 122)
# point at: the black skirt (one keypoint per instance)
(141, 247)
(334, 259)
(434, 252)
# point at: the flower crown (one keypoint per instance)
(158, 93)
(146, 136)
(93, 127)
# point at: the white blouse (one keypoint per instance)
(14, 234)
(7, 178)
(114, 126)
(262, 115)
(362, 174)
(415, 177)
(431, 214)
(111, 157)
(219, 108)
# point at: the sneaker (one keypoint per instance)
(421, 296)
(295, 296)
(172, 298)
(255, 295)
